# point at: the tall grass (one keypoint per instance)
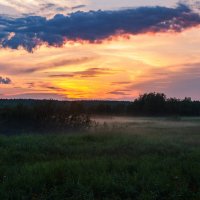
(141, 164)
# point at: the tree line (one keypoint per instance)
(41, 116)
(148, 104)
(51, 115)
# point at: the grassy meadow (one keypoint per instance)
(119, 158)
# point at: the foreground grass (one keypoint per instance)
(142, 164)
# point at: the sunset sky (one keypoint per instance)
(99, 49)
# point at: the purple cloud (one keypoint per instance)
(94, 26)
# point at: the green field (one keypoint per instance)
(140, 159)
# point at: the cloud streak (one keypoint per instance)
(94, 26)
(56, 64)
(47, 8)
(89, 73)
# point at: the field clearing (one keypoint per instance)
(121, 158)
(152, 121)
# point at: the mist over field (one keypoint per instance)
(118, 158)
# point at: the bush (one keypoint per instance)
(48, 116)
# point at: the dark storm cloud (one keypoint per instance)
(5, 81)
(94, 26)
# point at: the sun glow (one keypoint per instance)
(97, 71)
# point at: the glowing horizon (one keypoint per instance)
(163, 57)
